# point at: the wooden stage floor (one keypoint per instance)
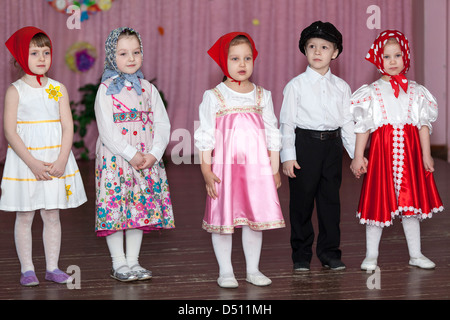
(184, 266)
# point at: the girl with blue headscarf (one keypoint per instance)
(132, 191)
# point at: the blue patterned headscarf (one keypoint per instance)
(111, 70)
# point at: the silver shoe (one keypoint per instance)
(142, 274)
(123, 276)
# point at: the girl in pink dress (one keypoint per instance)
(239, 143)
(399, 172)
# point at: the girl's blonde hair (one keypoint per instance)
(390, 41)
(240, 39)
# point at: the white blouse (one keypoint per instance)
(111, 136)
(375, 105)
(315, 102)
(204, 136)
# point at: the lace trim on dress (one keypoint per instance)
(399, 212)
(258, 226)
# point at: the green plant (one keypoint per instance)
(82, 118)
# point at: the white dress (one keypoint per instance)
(39, 127)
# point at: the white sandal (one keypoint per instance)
(258, 279)
(229, 282)
(422, 262)
(369, 264)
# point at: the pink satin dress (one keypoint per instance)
(247, 194)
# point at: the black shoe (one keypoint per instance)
(333, 264)
(301, 266)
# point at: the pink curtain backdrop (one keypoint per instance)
(178, 58)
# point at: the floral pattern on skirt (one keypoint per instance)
(131, 199)
(128, 198)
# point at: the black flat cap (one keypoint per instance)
(323, 30)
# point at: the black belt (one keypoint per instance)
(321, 135)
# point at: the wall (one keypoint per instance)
(435, 61)
(179, 61)
(448, 80)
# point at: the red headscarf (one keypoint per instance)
(375, 56)
(19, 46)
(219, 51)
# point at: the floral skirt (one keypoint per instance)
(130, 199)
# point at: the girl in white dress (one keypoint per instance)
(40, 171)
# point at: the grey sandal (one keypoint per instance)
(142, 274)
(123, 276)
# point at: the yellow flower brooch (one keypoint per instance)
(68, 192)
(53, 92)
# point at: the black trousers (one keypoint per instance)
(318, 180)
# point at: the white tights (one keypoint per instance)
(411, 227)
(115, 243)
(251, 243)
(51, 236)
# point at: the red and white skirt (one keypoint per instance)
(396, 183)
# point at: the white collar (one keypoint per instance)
(314, 76)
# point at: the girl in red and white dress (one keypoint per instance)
(399, 170)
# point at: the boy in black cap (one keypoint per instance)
(315, 124)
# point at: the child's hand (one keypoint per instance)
(277, 179)
(359, 166)
(137, 160)
(211, 179)
(149, 161)
(428, 163)
(57, 168)
(41, 170)
(288, 168)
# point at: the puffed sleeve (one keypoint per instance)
(204, 136)
(428, 108)
(273, 136)
(109, 133)
(361, 109)
(161, 124)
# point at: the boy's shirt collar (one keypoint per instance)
(314, 76)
